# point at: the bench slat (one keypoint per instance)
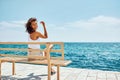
(23, 49)
(36, 61)
(31, 43)
(11, 59)
(53, 62)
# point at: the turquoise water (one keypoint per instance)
(101, 56)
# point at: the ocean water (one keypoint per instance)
(99, 56)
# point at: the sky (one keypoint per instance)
(66, 20)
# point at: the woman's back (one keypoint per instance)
(33, 46)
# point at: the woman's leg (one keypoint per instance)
(52, 70)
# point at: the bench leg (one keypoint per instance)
(13, 68)
(49, 72)
(0, 69)
(58, 72)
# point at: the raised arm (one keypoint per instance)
(45, 31)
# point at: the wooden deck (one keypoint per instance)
(39, 72)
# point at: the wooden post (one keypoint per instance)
(62, 48)
(13, 68)
(0, 69)
(58, 72)
(49, 63)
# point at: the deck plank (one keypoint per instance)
(39, 72)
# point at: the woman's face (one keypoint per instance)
(34, 25)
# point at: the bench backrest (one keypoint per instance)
(61, 50)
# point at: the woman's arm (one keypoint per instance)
(45, 31)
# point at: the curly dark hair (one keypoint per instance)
(28, 26)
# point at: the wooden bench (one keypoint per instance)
(47, 60)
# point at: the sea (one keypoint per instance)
(86, 55)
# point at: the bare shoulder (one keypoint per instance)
(34, 33)
(40, 35)
(34, 36)
(37, 33)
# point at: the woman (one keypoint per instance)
(34, 36)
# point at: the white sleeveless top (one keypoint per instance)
(34, 46)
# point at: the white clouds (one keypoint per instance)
(104, 19)
(95, 21)
(12, 24)
(100, 28)
(12, 31)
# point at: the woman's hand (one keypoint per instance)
(42, 22)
